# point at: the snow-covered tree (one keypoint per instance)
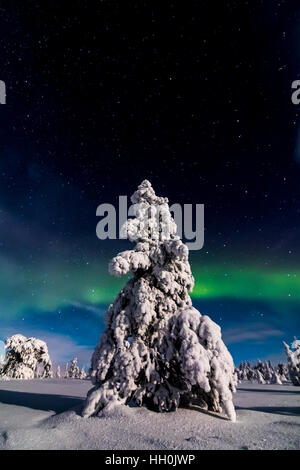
(296, 343)
(259, 377)
(262, 372)
(283, 372)
(58, 372)
(246, 371)
(66, 373)
(241, 373)
(157, 348)
(74, 371)
(275, 379)
(2, 360)
(268, 372)
(293, 355)
(82, 374)
(26, 358)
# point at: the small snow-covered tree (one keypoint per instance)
(276, 378)
(293, 355)
(259, 377)
(26, 358)
(58, 372)
(269, 370)
(251, 374)
(66, 373)
(2, 360)
(74, 371)
(157, 348)
(82, 374)
(242, 372)
(283, 372)
(246, 371)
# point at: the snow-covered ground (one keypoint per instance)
(44, 414)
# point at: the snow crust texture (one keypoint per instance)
(157, 349)
(44, 414)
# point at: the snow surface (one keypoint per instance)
(45, 414)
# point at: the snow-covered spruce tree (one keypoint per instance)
(82, 374)
(283, 372)
(276, 378)
(58, 372)
(241, 372)
(261, 372)
(268, 372)
(74, 371)
(293, 355)
(26, 358)
(66, 373)
(158, 350)
(259, 377)
(246, 372)
(2, 360)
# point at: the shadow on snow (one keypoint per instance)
(38, 401)
(279, 410)
(266, 390)
(61, 403)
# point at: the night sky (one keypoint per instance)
(194, 96)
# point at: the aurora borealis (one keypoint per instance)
(70, 301)
(50, 291)
(100, 98)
